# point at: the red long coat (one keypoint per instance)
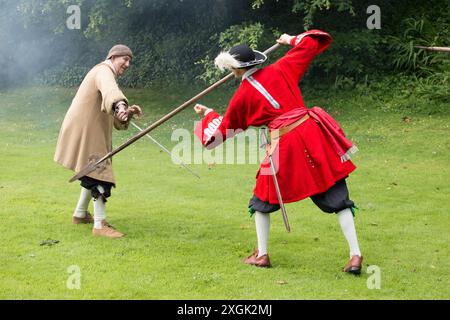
(307, 162)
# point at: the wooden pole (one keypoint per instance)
(93, 166)
(440, 49)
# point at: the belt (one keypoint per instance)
(276, 134)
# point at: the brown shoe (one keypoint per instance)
(87, 219)
(354, 265)
(262, 262)
(107, 231)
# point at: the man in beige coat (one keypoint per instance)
(86, 135)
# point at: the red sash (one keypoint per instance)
(331, 129)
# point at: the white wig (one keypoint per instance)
(225, 61)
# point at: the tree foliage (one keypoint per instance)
(177, 40)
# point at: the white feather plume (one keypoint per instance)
(225, 61)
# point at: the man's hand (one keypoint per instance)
(285, 39)
(202, 110)
(134, 110)
(121, 112)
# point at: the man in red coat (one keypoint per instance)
(310, 150)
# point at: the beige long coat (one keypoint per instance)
(86, 133)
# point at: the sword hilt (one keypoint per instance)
(263, 138)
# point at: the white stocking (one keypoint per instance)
(99, 210)
(83, 203)
(262, 222)
(348, 228)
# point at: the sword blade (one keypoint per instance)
(264, 143)
(280, 199)
(167, 151)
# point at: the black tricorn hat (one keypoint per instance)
(240, 56)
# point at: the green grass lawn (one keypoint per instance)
(186, 237)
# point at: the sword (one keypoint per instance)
(167, 151)
(264, 143)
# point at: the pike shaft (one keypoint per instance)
(91, 167)
(440, 49)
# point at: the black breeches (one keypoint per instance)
(91, 184)
(256, 204)
(334, 199)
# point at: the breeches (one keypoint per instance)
(92, 184)
(333, 200)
